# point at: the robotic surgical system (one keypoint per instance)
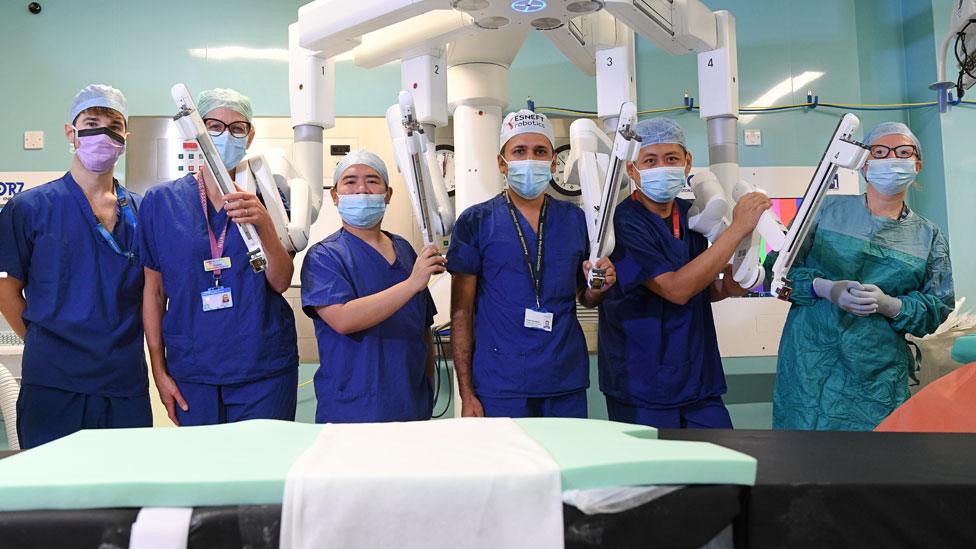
(454, 57)
(962, 39)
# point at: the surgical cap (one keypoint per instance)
(526, 121)
(224, 97)
(892, 128)
(364, 157)
(98, 95)
(655, 131)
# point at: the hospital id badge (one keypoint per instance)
(210, 265)
(538, 320)
(215, 299)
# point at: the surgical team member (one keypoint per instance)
(221, 337)
(871, 271)
(518, 268)
(366, 292)
(659, 357)
(67, 246)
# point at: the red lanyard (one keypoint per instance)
(676, 221)
(216, 245)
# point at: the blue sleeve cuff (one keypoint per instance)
(463, 258)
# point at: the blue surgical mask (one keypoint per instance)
(231, 149)
(528, 178)
(662, 184)
(890, 176)
(362, 210)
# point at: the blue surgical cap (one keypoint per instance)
(98, 95)
(892, 128)
(364, 157)
(655, 131)
(224, 97)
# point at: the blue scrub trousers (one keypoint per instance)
(709, 413)
(568, 405)
(269, 398)
(45, 414)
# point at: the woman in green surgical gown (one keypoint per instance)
(871, 271)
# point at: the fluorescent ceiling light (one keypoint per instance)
(223, 53)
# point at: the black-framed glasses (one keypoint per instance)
(901, 151)
(217, 127)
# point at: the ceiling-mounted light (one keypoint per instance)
(546, 23)
(584, 6)
(495, 22)
(528, 6)
(469, 5)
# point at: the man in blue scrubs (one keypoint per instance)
(221, 337)
(366, 292)
(659, 358)
(518, 268)
(73, 287)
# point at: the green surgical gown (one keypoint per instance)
(839, 371)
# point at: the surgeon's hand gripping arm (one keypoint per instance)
(368, 311)
(153, 307)
(246, 208)
(590, 296)
(463, 290)
(680, 286)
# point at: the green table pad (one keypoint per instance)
(598, 454)
(247, 463)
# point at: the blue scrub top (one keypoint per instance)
(655, 353)
(510, 360)
(83, 315)
(377, 374)
(252, 340)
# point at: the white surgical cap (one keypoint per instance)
(526, 121)
(224, 97)
(655, 131)
(364, 157)
(98, 95)
(892, 128)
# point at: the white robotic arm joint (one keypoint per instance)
(416, 160)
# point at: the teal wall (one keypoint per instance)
(949, 191)
(869, 51)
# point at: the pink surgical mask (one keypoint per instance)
(99, 148)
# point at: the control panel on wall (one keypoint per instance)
(189, 159)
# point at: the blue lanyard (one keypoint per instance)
(129, 219)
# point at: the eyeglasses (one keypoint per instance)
(217, 127)
(901, 151)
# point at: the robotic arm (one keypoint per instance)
(417, 161)
(601, 167)
(842, 151)
(276, 177)
(191, 127)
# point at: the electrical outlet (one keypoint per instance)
(753, 138)
(33, 140)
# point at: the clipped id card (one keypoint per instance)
(215, 299)
(538, 320)
(210, 265)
